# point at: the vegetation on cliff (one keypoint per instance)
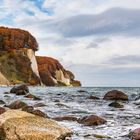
(18, 63)
(16, 39)
(52, 73)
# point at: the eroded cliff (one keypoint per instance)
(18, 63)
(52, 73)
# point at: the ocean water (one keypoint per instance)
(119, 121)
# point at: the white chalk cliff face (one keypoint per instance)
(34, 66)
(18, 63)
(60, 77)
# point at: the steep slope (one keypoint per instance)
(15, 66)
(18, 63)
(52, 73)
(17, 57)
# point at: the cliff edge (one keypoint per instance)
(18, 63)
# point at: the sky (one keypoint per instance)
(98, 40)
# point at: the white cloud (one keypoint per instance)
(94, 59)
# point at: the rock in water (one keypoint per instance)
(116, 105)
(17, 105)
(115, 95)
(93, 98)
(65, 118)
(135, 134)
(20, 90)
(19, 125)
(92, 120)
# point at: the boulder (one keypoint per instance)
(39, 105)
(135, 134)
(91, 120)
(2, 102)
(115, 95)
(20, 90)
(28, 109)
(19, 125)
(17, 104)
(39, 113)
(116, 105)
(65, 118)
(93, 98)
(2, 110)
(31, 96)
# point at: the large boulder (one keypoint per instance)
(91, 120)
(115, 95)
(19, 125)
(20, 90)
(135, 134)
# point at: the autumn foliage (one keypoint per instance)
(11, 38)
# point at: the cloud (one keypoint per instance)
(116, 21)
(97, 41)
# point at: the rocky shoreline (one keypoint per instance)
(18, 112)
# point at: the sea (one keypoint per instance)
(75, 101)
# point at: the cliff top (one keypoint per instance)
(12, 38)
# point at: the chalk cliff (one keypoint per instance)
(52, 73)
(18, 63)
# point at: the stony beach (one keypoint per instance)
(78, 113)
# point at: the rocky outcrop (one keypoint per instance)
(19, 125)
(52, 73)
(11, 38)
(15, 66)
(18, 62)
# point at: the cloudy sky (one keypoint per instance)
(99, 40)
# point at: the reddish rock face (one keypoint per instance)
(11, 38)
(47, 69)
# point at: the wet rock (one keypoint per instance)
(39, 113)
(2, 102)
(65, 118)
(39, 105)
(20, 90)
(57, 100)
(82, 91)
(19, 125)
(115, 95)
(2, 110)
(62, 105)
(135, 134)
(116, 105)
(28, 109)
(37, 98)
(17, 104)
(6, 93)
(31, 96)
(101, 136)
(93, 98)
(91, 120)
